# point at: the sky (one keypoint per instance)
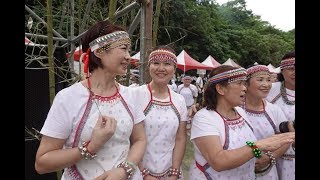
(279, 13)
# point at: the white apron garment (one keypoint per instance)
(161, 125)
(275, 97)
(264, 126)
(237, 132)
(189, 93)
(286, 163)
(115, 150)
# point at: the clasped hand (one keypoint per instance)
(102, 132)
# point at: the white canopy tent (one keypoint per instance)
(211, 62)
(273, 69)
(136, 56)
(230, 62)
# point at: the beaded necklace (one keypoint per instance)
(237, 122)
(98, 99)
(284, 95)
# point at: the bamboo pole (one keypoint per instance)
(50, 52)
(112, 10)
(156, 24)
(148, 39)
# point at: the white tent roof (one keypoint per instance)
(211, 62)
(273, 69)
(276, 70)
(231, 63)
(136, 56)
(270, 66)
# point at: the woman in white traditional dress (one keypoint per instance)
(282, 94)
(93, 129)
(265, 119)
(225, 146)
(166, 116)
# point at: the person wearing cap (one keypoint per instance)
(265, 119)
(282, 94)
(190, 94)
(94, 129)
(225, 146)
(188, 91)
(166, 116)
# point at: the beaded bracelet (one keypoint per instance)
(128, 168)
(133, 165)
(266, 170)
(85, 153)
(256, 151)
(174, 172)
(145, 172)
(272, 158)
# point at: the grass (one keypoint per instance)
(187, 160)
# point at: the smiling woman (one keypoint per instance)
(224, 144)
(166, 116)
(93, 130)
(264, 117)
(282, 94)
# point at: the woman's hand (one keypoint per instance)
(102, 132)
(275, 141)
(113, 174)
(291, 126)
(193, 109)
(262, 162)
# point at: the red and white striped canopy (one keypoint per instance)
(185, 62)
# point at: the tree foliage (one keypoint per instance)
(201, 28)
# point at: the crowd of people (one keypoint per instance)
(240, 122)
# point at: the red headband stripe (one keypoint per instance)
(162, 55)
(288, 63)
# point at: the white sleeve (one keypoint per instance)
(138, 114)
(203, 125)
(194, 90)
(135, 105)
(198, 81)
(183, 108)
(58, 123)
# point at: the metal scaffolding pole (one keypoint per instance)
(41, 20)
(125, 10)
(46, 37)
(118, 14)
(134, 23)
